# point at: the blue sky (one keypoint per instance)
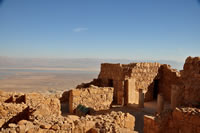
(120, 29)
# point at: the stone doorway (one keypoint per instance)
(155, 89)
(130, 93)
(110, 82)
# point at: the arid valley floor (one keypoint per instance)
(43, 81)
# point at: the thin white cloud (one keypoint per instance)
(80, 29)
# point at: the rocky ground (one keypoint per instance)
(33, 112)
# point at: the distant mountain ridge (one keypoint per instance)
(12, 62)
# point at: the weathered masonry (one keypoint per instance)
(128, 79)
(136, 82)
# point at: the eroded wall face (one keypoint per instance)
(113, 73)
(185, 88)
(191, 80)
(144, 75)
(95, 98)
(168, 77)
(186, 83)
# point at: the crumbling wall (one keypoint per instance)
(111, 75)
(110, 71)
(32, 115)
(97, 98)
(117, 122)
(191, 80)
(144, 75)
(152, 78)
(184, 120)
(44, 105)
(168, 77)
(186, 82)
(150, 125)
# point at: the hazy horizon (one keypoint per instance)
(71, 64)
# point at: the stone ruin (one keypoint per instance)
(151, 79)
(37, 113)
(138, 83)
(127, 86)
(184, 115)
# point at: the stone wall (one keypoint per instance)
(184, 120)
(44, 104)
(150, 125)
(152, 78)
(186, 83)
(144, 75)
(111, 71)
(97, 98)
(191, 80)
(168, 77)
(111, 75)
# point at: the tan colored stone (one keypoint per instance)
(45, 126)
(12, 125)
(89, 125)
(22, 122)
(22, 128)
(55, 127)
(2, 121)
(76, 92)
(129, 121)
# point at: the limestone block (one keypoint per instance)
(55, 127)
(45, 126)
(76, 92)
(129, 121)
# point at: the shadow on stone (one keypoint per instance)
(16, 99)
(24, 115)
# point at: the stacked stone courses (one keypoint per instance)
(95, 98)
